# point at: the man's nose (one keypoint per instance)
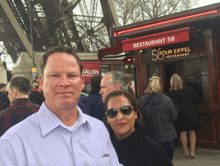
(100, 92)
(64, 80)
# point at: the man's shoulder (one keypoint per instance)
(30, 104)
(25, 103)
(2, 113)
(22, 128)
(20, 109)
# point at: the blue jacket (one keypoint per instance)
(94, 105)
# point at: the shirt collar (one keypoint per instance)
(49, 121)
(21, 100)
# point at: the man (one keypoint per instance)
(129, 78)
(21, 107)
(36, 86)
(4, 101)
(112, 81)
(59, 133)
(36, 95)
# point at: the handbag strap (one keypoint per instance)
(146, 103)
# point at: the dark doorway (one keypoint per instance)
(170, 70)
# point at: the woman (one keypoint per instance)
(185, 100)
(159, 114)
(123, 119)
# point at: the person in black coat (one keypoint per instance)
(4, 100)
(185, 100)
(93, 102)
(124, 122)
(37, 95)
(159, 115)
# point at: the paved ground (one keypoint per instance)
(204, 157)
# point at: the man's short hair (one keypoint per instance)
(20, 83)
(60, 48)
(95, 84)
(118, 78)
(2, 85)
(129, 77)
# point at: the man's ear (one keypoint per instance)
(83, 82)
(15, 91)
(41, 81)
(118, 87)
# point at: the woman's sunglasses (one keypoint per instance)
(126, 110)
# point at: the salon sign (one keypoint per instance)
(90, 69)
(154, 40)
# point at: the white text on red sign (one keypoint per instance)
(154, 42)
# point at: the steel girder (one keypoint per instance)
(58, 21)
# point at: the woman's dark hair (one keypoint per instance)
(132, 100)
(95, 84)
(60, 48)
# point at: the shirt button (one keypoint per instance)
(77, 156)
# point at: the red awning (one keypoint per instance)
(111, 50)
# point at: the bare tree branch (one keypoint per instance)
(131, 11)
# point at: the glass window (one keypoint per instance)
(105, 69)
(119, 67)
(129, 69)
(195, 77)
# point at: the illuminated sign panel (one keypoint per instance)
(159, 54)
(147, 42)
(135, 29)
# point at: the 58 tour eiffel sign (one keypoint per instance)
(159, 54)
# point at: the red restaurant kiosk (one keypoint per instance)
(186, 43)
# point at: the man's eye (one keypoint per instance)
(72, 75)
(54, 75)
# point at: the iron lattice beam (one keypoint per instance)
(57, 21)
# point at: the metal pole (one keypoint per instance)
(34, 69)
(31, 30)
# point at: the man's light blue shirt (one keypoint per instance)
(42, 139)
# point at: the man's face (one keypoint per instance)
(35, 84)
(106, 87)
(62, 82)
(3, 89)
(11, 95)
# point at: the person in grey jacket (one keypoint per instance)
(159, 114)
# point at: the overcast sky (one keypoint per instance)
(206, 2)
(10, 64)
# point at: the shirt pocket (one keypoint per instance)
(103, 160)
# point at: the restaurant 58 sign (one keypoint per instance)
(159, 54)
(155, 40)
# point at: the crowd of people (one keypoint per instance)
(55, 124)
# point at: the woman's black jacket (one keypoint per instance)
(140, 150)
